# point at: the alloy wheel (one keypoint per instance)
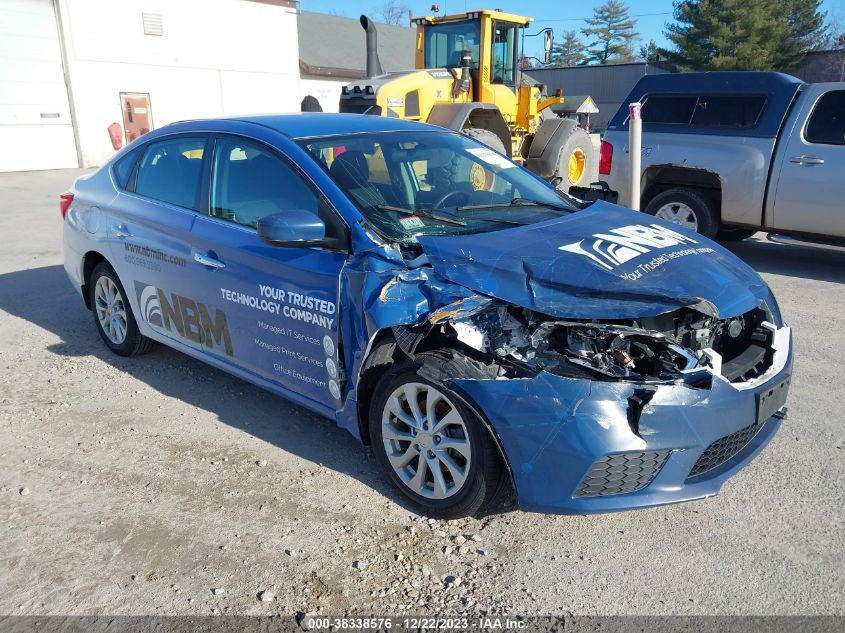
(426, 440)
(680, 214)
(111, 309)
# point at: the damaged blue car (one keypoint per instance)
(476, 327)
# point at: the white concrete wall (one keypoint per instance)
(327, 91)
(215, 57)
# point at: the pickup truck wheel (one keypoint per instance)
(733, 234)
(686, 208)
(430, 446)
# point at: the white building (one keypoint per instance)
(71, 68)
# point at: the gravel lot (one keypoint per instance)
(158, 485)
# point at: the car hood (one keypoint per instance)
(604, 262)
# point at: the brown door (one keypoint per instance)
(137, 115)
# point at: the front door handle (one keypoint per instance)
(207, 260)
(806, 160)
(121, 232)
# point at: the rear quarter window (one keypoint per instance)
(124, 168)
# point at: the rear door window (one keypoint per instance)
(827, 123)
(170, 171)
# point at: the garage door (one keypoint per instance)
(36, 131)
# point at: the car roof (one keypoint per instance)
(312, 124)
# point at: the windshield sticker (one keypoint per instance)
(491, 158)
(411, 222)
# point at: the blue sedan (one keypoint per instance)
(475, 326)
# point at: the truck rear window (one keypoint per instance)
(704, 111)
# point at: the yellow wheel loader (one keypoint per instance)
(468, 77)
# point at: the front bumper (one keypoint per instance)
(553, 430)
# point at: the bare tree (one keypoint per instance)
(394, 12)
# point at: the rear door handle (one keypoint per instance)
(207, 260)
(121, 232)
(806, 160)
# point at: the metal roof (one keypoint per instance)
(335, 46)
(329, 124)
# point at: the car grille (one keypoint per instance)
(621, 473)
(722, 450)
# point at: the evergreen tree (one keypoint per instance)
(806, 32)
(611, 30)
(743, 34)
(570, 52)
(649, 52)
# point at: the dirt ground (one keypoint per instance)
(158, 485)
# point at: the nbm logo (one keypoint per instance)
(178, 315)
(623, 244)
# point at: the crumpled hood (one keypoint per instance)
(604, 262)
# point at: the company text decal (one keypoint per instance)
(621, 245)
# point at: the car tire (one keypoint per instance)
(733, 234)
(478, 464)
(687, 208)
(113, 315)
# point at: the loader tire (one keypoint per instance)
(474, 175)
(490, 139)
(577, 160)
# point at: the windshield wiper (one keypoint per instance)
(426, 213)
(516, 202)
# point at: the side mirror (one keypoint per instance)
(296, 227)
(548, 40)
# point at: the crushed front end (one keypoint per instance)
(597, 416)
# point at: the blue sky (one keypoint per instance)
(561, 15)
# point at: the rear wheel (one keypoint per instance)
(687, 208)
(432, 447)
(113, 314)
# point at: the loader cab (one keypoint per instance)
(492, 40)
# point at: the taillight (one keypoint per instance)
(605, 158)
(64, 202)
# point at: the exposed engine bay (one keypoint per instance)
(654, 349)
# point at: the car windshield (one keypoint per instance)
(433, 183)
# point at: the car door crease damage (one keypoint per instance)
(602, 355)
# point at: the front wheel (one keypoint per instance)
(432, 447)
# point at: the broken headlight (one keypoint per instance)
(615, 351)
